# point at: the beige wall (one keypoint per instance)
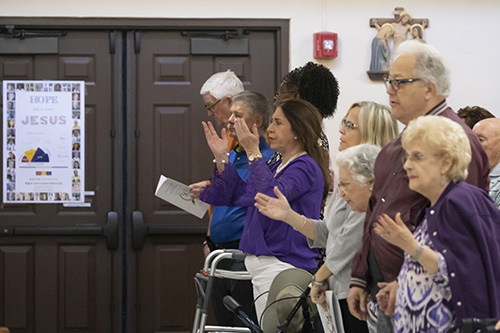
(465, 31)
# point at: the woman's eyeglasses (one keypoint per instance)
(348, 124)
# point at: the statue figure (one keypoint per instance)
(381, 52)
(417, 32)
(401, 28)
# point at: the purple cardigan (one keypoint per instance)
(464, 225)
(301, 181)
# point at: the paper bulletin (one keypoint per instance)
(43, 141)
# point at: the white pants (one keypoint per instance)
(263, 270)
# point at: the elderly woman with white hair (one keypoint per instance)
(452, 260)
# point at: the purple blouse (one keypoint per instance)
(301, 181)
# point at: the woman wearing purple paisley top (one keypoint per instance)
(452, 260)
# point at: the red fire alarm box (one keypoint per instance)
(325, 45)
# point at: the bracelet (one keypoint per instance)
(317, 284)
(223, 161)
(418, 253)
(302, 226)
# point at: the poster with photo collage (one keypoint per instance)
(43, 141)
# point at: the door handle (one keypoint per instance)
(109, 231)
(140, 230)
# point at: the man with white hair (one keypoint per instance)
(218, 92)
(488, 132)
(418, 84)
(226, 100)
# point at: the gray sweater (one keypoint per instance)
(340, 233)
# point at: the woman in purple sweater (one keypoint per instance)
(452, 260)
(302, 175)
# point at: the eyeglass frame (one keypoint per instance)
(209, 108)
(417, 159)
(348, 124)
(396, 83)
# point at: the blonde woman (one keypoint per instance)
(452, 260)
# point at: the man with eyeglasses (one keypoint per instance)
(417, 85)
(226, 223)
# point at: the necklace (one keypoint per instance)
(283, 165)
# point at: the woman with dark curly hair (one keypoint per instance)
(315, 84)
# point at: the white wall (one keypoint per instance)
(467, 32)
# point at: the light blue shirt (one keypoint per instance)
(495, 185)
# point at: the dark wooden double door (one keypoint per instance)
(125, 263)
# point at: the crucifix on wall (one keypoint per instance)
(390, 33)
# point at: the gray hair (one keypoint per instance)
(359, 161)
(222, 84)
(257, 105)
(429, 65)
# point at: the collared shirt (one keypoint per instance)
(226, 224)
(391, 194)
(495, 185)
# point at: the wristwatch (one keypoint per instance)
(253, 157)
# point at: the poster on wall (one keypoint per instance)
(43, 141)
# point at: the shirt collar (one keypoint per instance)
(438, 109)
(496, 171)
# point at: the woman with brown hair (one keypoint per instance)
(302, 175)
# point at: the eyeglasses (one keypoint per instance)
(210, 107)
(416, 157)
(348, 124)
(396, 83)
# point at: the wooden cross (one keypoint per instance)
(398, 10)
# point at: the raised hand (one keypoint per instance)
(249, 140)
(394, 232)
(276, 208)
(217, 144)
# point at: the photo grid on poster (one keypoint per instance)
(43, 141)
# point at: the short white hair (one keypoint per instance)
(359, 161)
(222, 84)
(429, 64)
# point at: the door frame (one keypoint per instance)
(125, 179)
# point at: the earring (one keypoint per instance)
(371, 188)
(295, 138)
